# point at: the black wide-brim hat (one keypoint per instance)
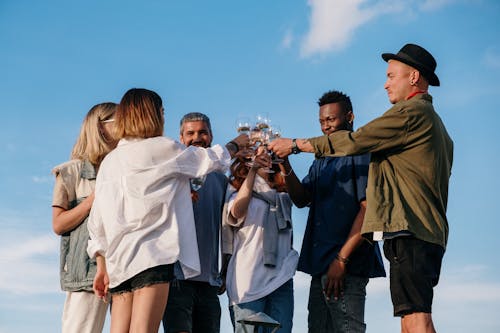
(418, 58)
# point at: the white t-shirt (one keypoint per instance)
(142, 215)
(248, 279)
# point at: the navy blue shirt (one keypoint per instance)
(207, 219)
(337, 185)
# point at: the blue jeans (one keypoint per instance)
(344, 315)
(277, 305)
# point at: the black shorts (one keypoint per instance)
(148, 277)
(414, 272)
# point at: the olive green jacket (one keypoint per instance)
(410, 168)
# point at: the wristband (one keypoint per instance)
(295, 148)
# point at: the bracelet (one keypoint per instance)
(235, 145)
(286, 174)
(342, 259)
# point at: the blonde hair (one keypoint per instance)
(139, 115)
(91, 144)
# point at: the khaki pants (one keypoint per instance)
(83, 313)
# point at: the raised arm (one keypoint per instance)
(284, 146)
(389, 131)
(240, 205)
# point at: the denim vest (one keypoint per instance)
(77, 270)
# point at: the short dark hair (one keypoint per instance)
(334, 96)
(195, 116)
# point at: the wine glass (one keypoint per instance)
(265, 136)
(255, 136)
(275, 133)
(243, 125)
(263, 121)
(258, 137)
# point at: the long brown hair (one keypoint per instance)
(91, 144)
(139, 114)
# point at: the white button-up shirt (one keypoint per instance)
(142, 215)
(248, 279)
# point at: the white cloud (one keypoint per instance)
(467, 284)
(30, 265)
(333, 22)
(479, 292)
(23, 250)
(29, 277)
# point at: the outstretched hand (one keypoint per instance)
(281, 147)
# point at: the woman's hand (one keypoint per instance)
(262, 159)
(101, 279)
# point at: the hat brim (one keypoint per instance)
(430, 76)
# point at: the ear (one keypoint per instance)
(181, 139)
(414, 77)
(350, 117)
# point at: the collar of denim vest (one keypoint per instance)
(88, 170)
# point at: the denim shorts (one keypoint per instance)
(192, 306)
(415, 266)
(153, 275)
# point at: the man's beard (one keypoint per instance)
(199, 144)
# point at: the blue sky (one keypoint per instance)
(229, 58)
